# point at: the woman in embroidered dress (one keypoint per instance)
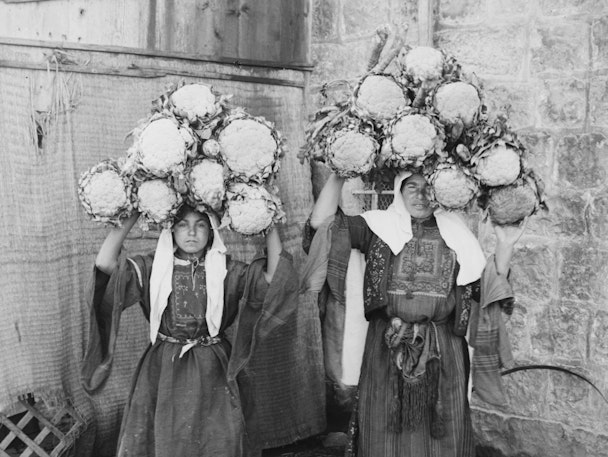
(423, 270)
(185, 399)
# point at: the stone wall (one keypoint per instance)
(545, 64)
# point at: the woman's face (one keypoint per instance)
(415, 194)
(191, 234)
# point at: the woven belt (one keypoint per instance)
(201, 341)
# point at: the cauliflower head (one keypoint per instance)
(498, 166)
(452, 188)
(457, 100)
(104, 193)
(424, 63)
(162, 147)
(157, 200)
(206, 179)
(510, 204)
(351, 153)
(248, 148)
(251, 209)
(412, 137)
(380, 96)
(194, 100)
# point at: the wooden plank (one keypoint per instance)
(227, 29)
(152, 73)
(426, 23)
(151, 26)
(151, 53)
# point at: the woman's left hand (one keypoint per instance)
(509, 234)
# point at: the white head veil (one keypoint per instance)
(394, 227)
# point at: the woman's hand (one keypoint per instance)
(510, 234)
(506, 237)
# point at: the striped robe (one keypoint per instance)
(418, 286)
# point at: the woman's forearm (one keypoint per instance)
(327, 202)
(502, 258)
(273, 250)
(107, 257)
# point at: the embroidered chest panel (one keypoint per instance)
(425, 266)
(188, 301)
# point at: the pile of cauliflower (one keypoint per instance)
(195, 149)
(427, 116)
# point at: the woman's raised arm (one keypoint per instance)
(107, 257)
(327, 202)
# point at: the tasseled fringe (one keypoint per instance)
(414, 400)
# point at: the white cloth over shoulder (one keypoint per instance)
(161, 281)
(394, 227)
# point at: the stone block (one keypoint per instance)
(598, 101)
(340, 61)
(486, 51)
(564, 218)
(560, 46)
(584, 272)
(520, 437)
(540, 156)
(562, 103)
(533, 269)
(518, 329)
(509, 8)
(596, 213)
(325, 20)
(514, 100)
(599, 43)
(526, 392)
(598, 343)
(363, 17)
(542, 344)
(570, 399)
(460, 12)
(572, 7)
(583, 160)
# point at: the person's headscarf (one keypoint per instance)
(394, 227)
(161, 280)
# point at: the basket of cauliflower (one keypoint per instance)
(191, 149)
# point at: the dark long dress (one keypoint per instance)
(189, 406)
(184, 406)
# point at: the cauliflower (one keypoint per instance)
(380, 96)
(423, 63)
(157, 201)
(452, 188)
(351, 153)
(211, 148)
(510, 204)
(104, 193)
(249, 148)
(410, 140)
(194, 101)
(206, 184)
(162, 147)
(497, 166)
(251, 209)
(457, 100)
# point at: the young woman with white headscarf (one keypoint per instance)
(186, 398)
